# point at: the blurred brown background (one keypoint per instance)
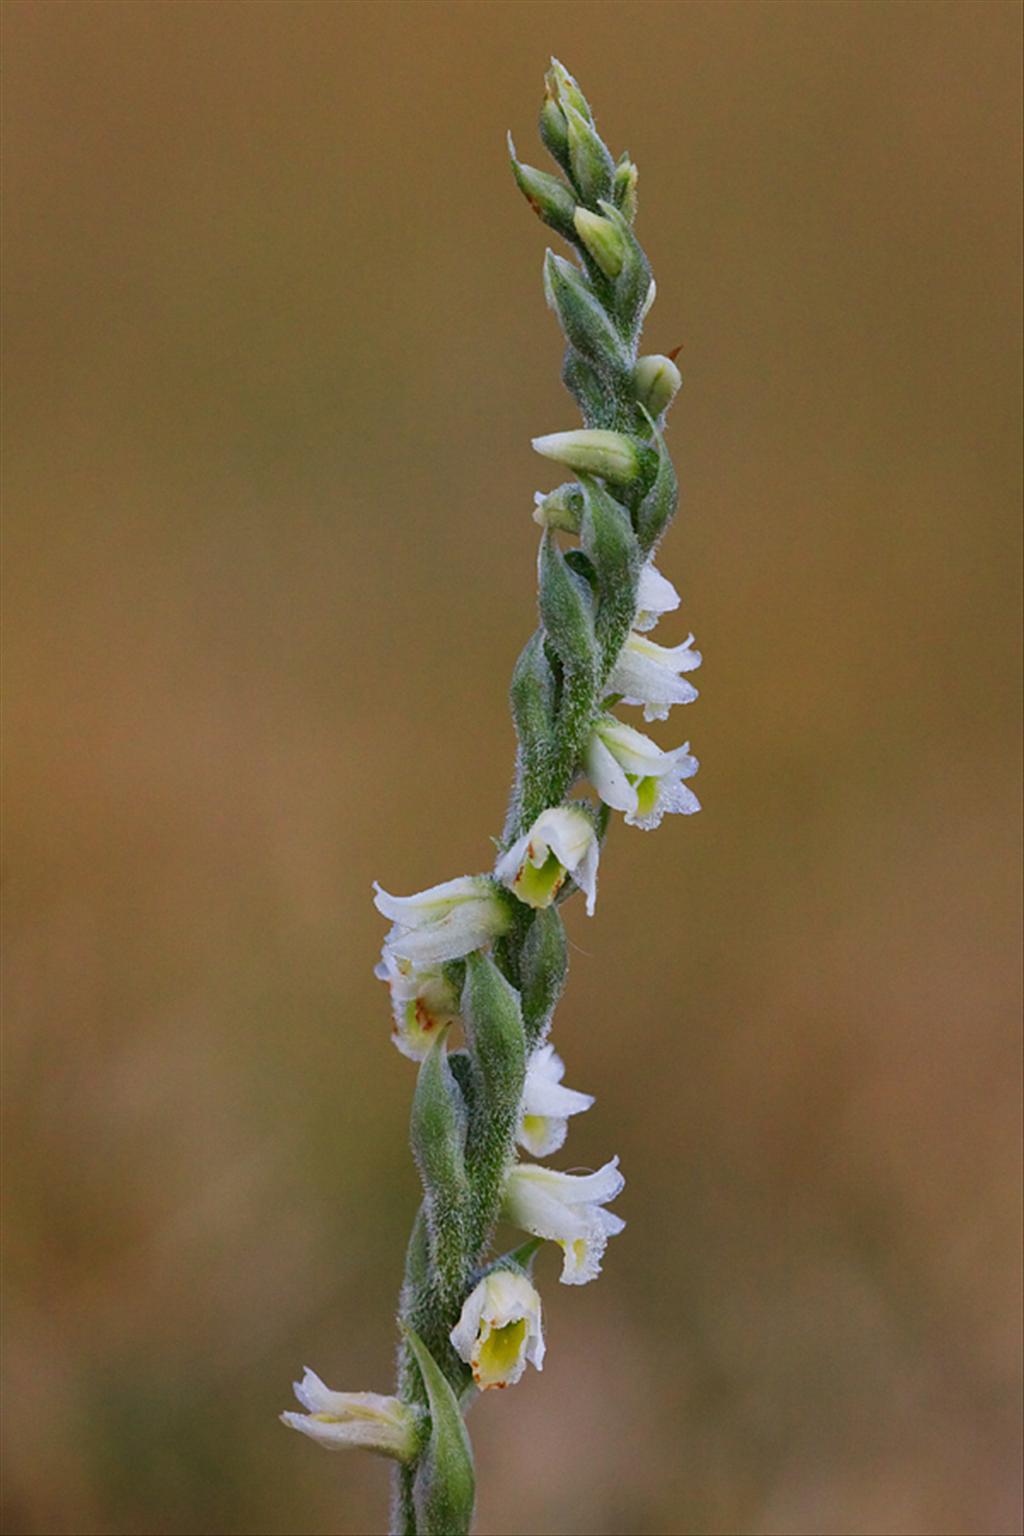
(276, 345)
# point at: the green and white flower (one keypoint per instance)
(561, 842)
(354, 1420)
(567, 1209)
(544, 1117)
(655, 595)
(423, 1000)
(499, 1331)
(650, 674)
(631, 773)
(445, 922)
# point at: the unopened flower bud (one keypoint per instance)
(549, 198)
(656, 380)
(624, 187)
(601, 239)
(593, 451)
(561, 85)
(652, 294)
(561, 508)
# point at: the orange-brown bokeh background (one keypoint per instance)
(276, 345)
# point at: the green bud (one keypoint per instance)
(545, 966)
(656, 380)
(549, 198)
(562, 86)
(560, 508)
(624, 187)
(554, 130)
(566, 608)
(601, 239)
(634, 277)
(444, 1489)
(658, 507)
(592, 451)
(592, 166)
(583, 319)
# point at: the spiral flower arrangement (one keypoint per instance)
(486, 954)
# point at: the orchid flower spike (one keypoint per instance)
(561, 842)
(544, 1118)
(631, 773)
(359, 1420)
(445, 922)
(499, 1331)
(649, 674)
(655, 595)
(568, 1209)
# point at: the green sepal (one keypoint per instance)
(550, 199)
(658, 506)
(543, 967)
(592, 167)
(583, 319)
(608, 539)
(444, 1488)
(438, 1135)
(566, 609)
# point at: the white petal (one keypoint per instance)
(463, 1335)
(567, 832)
(427, 906)
(608, 777)
(510, 863)
(585, 875)
(655, 595)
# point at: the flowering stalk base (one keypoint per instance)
(486, 954)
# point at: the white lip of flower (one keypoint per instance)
(648, 674)
(422, 1002)
(631, 773)
(500, 1330)
(445, 922)
(360, 1420)
(568, 1209)
(561, 842)
(544, 1117)
(655, 595)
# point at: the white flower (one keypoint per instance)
(422, 1001)
(363, 1420)
(567, 1209)
(631, 773)
(544, 1117)
(648, 674)
(655, 595)
(445, 922)
(562, 841)
(500, 1329)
